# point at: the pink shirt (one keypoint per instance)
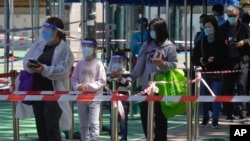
(90, 72)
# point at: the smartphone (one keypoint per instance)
(35, 63)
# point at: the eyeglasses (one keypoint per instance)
(232, 15)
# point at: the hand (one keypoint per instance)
(202, 61)
(240, 43)
(158, 63)
(116, 74)
(210, 59)
(35, 69)
(83, 87)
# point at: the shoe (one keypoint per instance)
(204, 121)
(230, 119)
(242, 119)
(215, 124)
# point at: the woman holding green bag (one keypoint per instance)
(157, 55)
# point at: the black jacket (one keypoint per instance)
(205, 50)
(242, 32)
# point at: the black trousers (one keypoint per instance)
(234, 84)
(47, 115)
(160, 121)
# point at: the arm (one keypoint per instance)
(62, 62)
(140, 64)
(75, 78)
(100, 82)
(126, 81)
(170, 60)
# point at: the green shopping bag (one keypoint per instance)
(176, 85)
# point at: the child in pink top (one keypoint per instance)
(89, 75)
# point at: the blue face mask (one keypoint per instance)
(87, 51)
(208, 31)
(232, 20)
(116, 66)
(201, 26)
(47, 35)
(152, 34)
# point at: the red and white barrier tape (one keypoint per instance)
(14, 97)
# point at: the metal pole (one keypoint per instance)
(36, 17)
(197, 93)
(189, 105)
(167, 12)
(150, 127)
(84, 18)
(7, 35)
(71, 131)
(32, 19)
(114, 117)
(12, 33)
(61, 9)
(15, 119)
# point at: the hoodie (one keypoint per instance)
(145, 66)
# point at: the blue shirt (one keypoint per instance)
(136, 41)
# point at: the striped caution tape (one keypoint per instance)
(91, 97)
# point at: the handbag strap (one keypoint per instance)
(202, 53)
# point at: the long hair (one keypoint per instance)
(160, 27)
(59, 23)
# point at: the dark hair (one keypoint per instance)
(211, 19)
(160, 27)
(203, 16)
(245, 18)
(143, 21)
(219, 8)
(59, 23)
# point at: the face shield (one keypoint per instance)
(117, 62)
(88, 48)
(48, 32)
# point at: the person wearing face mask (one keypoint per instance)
(158, 43)
(218, 12)
(139, 37)
(89, 75)
(209, 53)
(117, 72)
(199, 35)
(236, 36)
(55, 60)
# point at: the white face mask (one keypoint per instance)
(152, 34)
(87, 51)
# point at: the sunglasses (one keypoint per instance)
(232, 15)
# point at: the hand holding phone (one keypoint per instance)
(34, 63)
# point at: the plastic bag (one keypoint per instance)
(176, 85)
(26, 83)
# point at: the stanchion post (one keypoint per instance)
(197, 93)
(114, 117)
(14, 104)
(71, 131)
(150, 121)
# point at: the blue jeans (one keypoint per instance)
(216, 86)
(124, 122)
